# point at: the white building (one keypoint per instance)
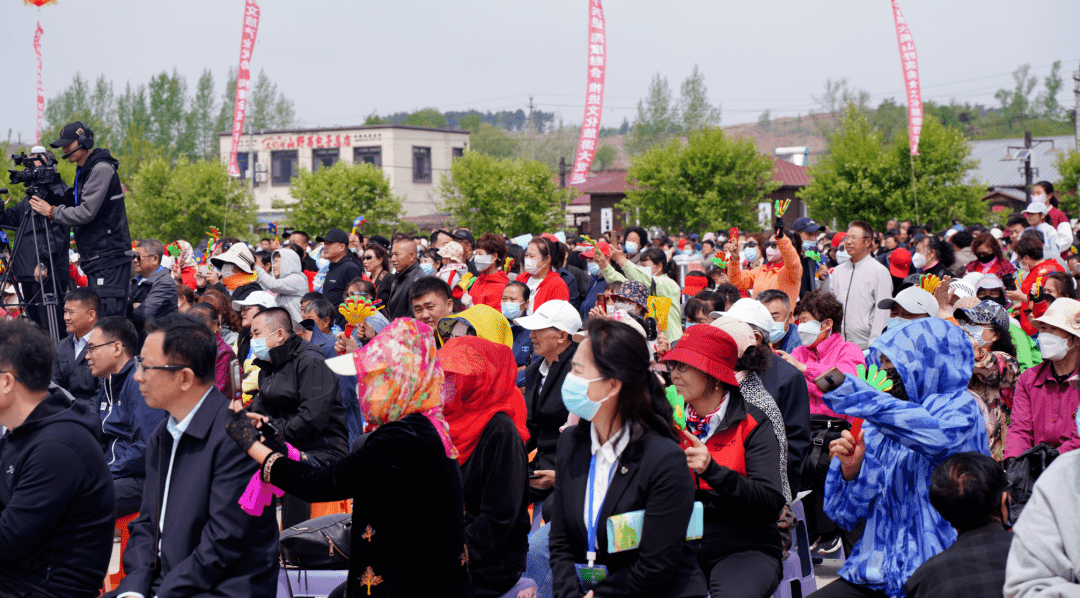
(413, 159)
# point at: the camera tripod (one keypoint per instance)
(32, 223)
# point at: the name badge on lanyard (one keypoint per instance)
(590, 575)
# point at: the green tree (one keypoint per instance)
(489, 140)
(428, 117)
(332, 197)
(604, 157)
(183, 201)
(266, 108)
(713, 182)
(96, 107)
(864, 178)
(513, 197)
(1047, 103)
(199, 136)
(694, 110)
(1068, 164)
(167, 96)
(831, 104)
(656, 120)
(1017, 103)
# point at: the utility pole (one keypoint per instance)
(562, 172)
(1027, 167)
(1076, 110)
(532, 153)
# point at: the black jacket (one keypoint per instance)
(57, 505)
(209, 545)
(651, 474)
(545, 407)
(299, 394)
(33, 249)
(71, 372)
(156, 296)
(788, 387)
(338, 277)
(411, 532)
(98, 214)
(495, 481)
(400, 305)
(973, 567)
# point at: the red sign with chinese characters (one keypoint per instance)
(243, 78)
(594, 94)
(312, 141)
(910, 63)
(40, 87)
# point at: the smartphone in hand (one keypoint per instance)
(830, 380)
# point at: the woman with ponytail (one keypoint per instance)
(625, 457)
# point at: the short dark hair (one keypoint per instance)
(205, 312)
(962, 239)
(1016, 219)
(695, 307)
(322, 308)
(1030, 245)
(27, 353)
(186, 292)
(435, 235)
(312, 296)
(366, 286)
(715, 301)
(302, 234)
(865, 226)
(966, 489)
(1068, 287)
(279, 316)
(823, 306)
(770, 295)
(429, 284)
(525, 292)
(117, 328)
(730, 293)
(153, 248)
(87, 297)
(188, 342)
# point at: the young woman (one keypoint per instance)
(623, 457)
(376, 262)
(488, 257)
(543, 281)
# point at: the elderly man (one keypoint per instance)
(403, 258)
(860, 284)
(153, 290)
(191, 536)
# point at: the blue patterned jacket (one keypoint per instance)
(905, 440)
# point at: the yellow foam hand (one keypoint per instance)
(356, 309)
(929, 282)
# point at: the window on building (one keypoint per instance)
(421, 159)
(283, 166)
(457, 152)
(242, 164)
(371, 155)
(324, 157)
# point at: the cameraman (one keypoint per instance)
(98, 213)
(30, 265)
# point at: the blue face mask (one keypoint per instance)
(322, 263)
(259, 349)
(809, 246)
(777, 332)
(575, 397)
(751, 254)
(428, 269)
(594, 269)
(631, 247)
(897, 323)
(511, 310)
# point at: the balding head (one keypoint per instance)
(403, 255)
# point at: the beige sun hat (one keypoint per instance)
(1064, 314)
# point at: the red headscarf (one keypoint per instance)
(481, 381)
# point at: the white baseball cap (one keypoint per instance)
(740, 332)
(262, 298)
(557, 314)
(750, 311)
(913, 299)
(961, 289)
(1036, 207)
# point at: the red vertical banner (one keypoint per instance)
(40, 86)
(910, 63)
(594, 94)
(243, 79)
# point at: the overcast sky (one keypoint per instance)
(338, 61)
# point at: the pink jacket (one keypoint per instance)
(1042, 412)
(832, 352)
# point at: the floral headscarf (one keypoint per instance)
(186, 259)
(398, 374)
(453, 251)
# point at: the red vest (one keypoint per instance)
(728, 448)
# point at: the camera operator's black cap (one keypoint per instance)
(71, 132)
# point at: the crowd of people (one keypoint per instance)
(631, 415)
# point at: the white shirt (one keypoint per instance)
(80, 343)
(607, 457)
(545, 367)
(533, 283)
(859, 286)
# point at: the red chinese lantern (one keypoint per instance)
(39, 2)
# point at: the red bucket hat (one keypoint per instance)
(708, 349)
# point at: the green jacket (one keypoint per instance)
(665, 287)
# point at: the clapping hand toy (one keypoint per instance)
(356, 309)
(467, 281)
(874, 377)
(720, 259)
(173, 249)
(929, 282)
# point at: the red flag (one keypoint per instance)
(594, 94)
(243, 78)
(40, 86)
(910, 63)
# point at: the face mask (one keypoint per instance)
(985, 259)
(918, 260)
(532, 267)
(750, 254)
(842, 257)
(975, 331)
(897, 323)
(627, 307)
(631, 247)
(808, 332)
(428, 269)
(482, 262)
(772, 254)
(688, 252)
(259, 349)
(575, 397)
(511, 310)
(1038, 198)
(809, 246)
(1052, 347)
(777, 332)
(594, 269)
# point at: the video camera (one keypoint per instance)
(38, 174)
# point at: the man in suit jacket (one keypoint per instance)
(195, 474)
(403, 259)
(153, 291)
(70, 370)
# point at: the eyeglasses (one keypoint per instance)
(140, 367)
(136, 258)
(12, 375)
(678, 366)
(90, 348)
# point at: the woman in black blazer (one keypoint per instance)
(630, 426)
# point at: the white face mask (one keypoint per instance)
(918, 260)
(808, 332)
(975, 331)
(627, 307)
(1038, 198)
(532, 267)
(842, 256)
(483, 262)
(1052, 347)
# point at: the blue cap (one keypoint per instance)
(806, 225)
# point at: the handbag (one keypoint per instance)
(823, 430)
(320, 543)
(1022, 471)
